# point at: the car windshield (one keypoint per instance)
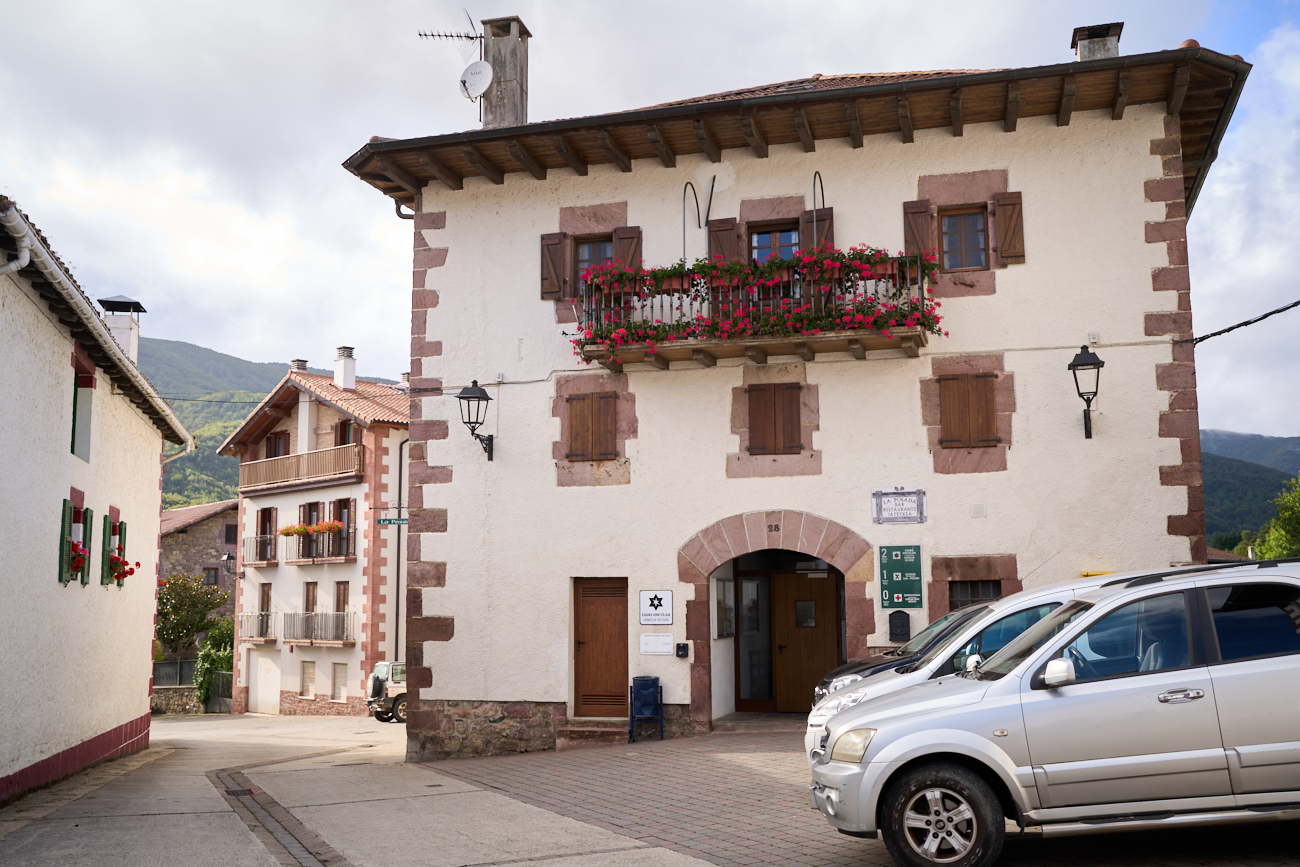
(381, 670)
(942, 647)
(931, 632)
(1005, 660)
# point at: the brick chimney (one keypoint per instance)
(1096, 41)
(345, 369)
(505, 48)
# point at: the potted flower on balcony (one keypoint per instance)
(297, 530)
(326, 527)
(78, 560)
(118, 567)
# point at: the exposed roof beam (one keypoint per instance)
(905, 120)
(1068, 86)
(855, 124)
(569, 154)
(1178, 89)
(666, 155)
(525, 159)
(954, 108)
(805, 131)
(753, 135)
(1012, 115)
(399, 177)
(609, 145)
(1121, 96)
(451, 179)
(483, 165)
(707, 142)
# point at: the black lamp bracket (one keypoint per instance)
(485, 442)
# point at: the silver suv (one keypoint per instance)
(1167, 700)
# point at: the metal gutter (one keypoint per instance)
(1220, 128)
(359, 159)
(16, 224)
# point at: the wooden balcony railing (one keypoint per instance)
(346, 460)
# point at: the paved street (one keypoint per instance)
(257, 790)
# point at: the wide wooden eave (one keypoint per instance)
(1201, 86)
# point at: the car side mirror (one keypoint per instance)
(1059, 672)
(974, 661)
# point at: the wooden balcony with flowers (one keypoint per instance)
(333, 463)
(827, 300)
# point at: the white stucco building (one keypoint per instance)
(734, 468)
(83, 484)
(315, 611)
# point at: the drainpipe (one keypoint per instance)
(401, 555)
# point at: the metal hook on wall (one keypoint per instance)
(698, 224)
(817, 181)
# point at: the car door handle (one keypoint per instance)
(1179, 696)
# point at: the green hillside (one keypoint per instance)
(1238, 493)
(1280, 453)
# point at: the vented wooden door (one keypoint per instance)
(806, 631)
(600, 651)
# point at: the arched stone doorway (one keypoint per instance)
(742, 534)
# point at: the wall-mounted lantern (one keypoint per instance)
(473, 409)
(228, 564)
(1086, 368)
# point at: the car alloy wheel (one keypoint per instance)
(940, 825)
(942, 814)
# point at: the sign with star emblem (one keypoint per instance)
(656, 607)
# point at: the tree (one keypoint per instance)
(1283, 533)
(185, 606)
(216, 654)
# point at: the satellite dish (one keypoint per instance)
(475, 79)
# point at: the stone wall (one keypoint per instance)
(459, 729)
(174, 699)
(293, 704)
(199, 545)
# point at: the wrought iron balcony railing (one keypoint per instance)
(345, 460)
(322, 546)
(320, 626)
(259, 626)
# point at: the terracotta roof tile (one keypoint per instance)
(1218, 554)
(819, 82)
(371, 402)
(187, 516)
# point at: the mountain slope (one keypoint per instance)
(1238, 493)
(1280, 453)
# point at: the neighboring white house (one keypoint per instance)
(83, 484)
(712, 509)
(316, 610)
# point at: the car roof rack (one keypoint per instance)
(1157, 577)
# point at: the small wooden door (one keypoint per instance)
(805, 630)
(600, 650)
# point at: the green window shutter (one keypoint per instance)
(87, 539)
(105, 550)
(121, 543)
(65, 544)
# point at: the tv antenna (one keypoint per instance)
(478, 74)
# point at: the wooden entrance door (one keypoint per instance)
(600, 651)
(805, 632)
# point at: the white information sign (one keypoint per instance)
(898, 506)
(657, 643)
(656, 608)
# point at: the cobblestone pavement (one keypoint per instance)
(742, 799)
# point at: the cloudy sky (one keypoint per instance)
(188, 154)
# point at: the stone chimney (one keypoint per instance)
(1096, 41)
(505, 48)
(345, 369)
(298, 364)
(123, 323)
(405, 384)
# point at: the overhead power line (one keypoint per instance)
(1195, 340)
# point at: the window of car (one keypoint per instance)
(931, 632)
(998, 635)
(399, 673)
(1148, 635)
(1254, 620)
(1023, 646)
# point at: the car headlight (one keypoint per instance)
(843, 681)
(831, 706)
(852, 745)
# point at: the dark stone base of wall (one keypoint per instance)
(174, 699)
(239, 701)
(439, 729)
(291, 704)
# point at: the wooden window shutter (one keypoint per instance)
(918, 234)
(341, 595)
(308, 597)
(273, 534)
(581, 438)
(605, 428)
(727, 239)
(349, 532)
(954, 411)
(1009, 223)
(121, 544)
(627, 246)
(789, 433)
(762, 419)
(320, 512)
(983, 411)
(302, 514)
(87, 538)
(555, 265)
(65, 544)
(334, 510)
(106, 549)
(825, 229)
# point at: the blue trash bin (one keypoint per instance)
(646, 704)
